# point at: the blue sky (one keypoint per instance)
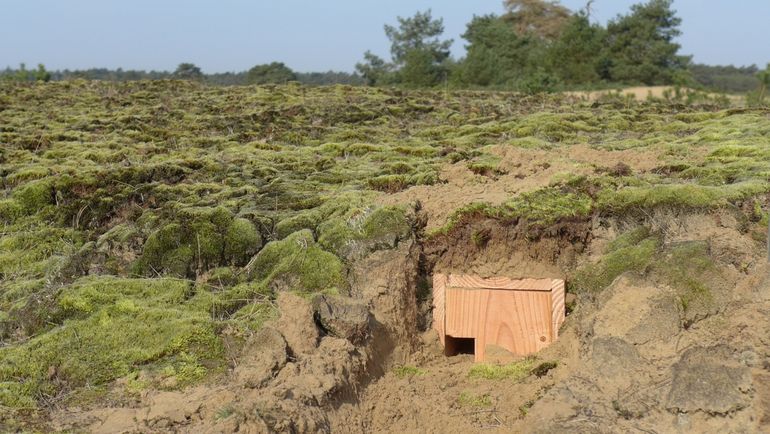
(308, 35)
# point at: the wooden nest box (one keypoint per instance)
(522, 316)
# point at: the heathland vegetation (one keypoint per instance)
(149, 225)
(151, 222)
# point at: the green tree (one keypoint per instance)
(275, 73)
(420, 32)
(188, 71)
(541, 18)
(22, 74)
(497, 55)
(41, 74)
(727, 78)
(329, 77)
(764, 83)
(420, 70)
(641, 47)
(493, 52)
(539, 81)
(373, 69)
(419, 57)
(575, 57)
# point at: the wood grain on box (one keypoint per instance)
(521, 315)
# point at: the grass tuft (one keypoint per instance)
(408, 371)
(467, 399)
(628, 253)
(514, 371)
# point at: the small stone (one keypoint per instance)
(705, 379)
(343, 317)
(749, 358)
(683, 421)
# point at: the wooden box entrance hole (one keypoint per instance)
(522, 316)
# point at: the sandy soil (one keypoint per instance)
(629, 360)
(626, 360)
(526, 170)
(626, 364)
(640, 93)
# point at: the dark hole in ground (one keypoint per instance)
(455, 346)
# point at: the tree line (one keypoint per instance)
(532, 46)
(272, 73)
(540, 45)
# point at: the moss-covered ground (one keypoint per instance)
(146, 223)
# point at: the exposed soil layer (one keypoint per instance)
(629, 359)
(640, 93)
(522, 171)
(626, 362)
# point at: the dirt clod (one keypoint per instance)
(296, 324)
(707, 379)
(343, 317)
(264, 355)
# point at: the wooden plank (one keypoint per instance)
(471, 281)
(464, 309)
(439, 297)
(519, 321)
(520, 315)
(558, 306)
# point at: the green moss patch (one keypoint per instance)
(199, 239)
(364, 230)
(468, 399)
(485, 165)
(10, 210)
(109, 328)
(678, 196)
(689, 269)
(297, 263)
(34, 195)
(538, 208)
(632, 252)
